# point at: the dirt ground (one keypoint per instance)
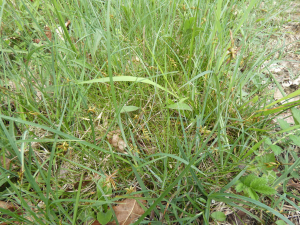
(287, 69)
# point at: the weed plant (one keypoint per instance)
(168, 96)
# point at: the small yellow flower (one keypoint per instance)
(64, 146)
(92, 110)
(130, 190)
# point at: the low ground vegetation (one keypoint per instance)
(146, 112)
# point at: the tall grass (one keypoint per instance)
(64, 96)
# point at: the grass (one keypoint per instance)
(162, 96)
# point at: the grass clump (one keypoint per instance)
(164, 103)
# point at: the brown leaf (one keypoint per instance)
(237, 218)
(116, 141)
(48, 32)
(127, 211)
(36, 40)
(7, 205)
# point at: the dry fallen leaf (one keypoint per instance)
(37, 41)
(116, 141)
(128, 211)
(48, 32)
(7, 205)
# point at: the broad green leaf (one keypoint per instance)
(268, 141)
(87, 214)
(182, 100)
(128, 108)
(240, 187)
(258, 181)
(295, 139)
(252, 194)
(248, 179)
(103, 217)
(280, 222)
(296, 115)
(219, 216)
(179, 106)
(276, 149)
(266, 158)
(127, 78)
(234, 181)
(264, 189)
(270, 176)
(283, 124)
(188, 24)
